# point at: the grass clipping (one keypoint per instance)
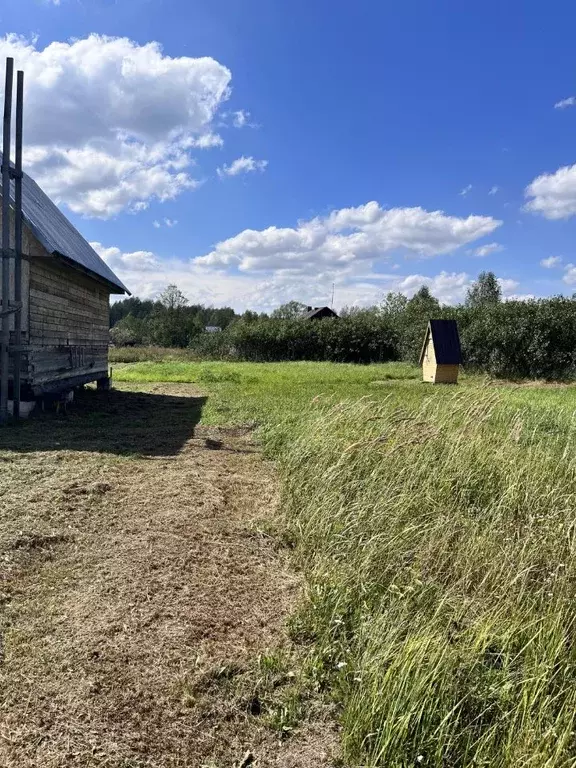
(438, 545)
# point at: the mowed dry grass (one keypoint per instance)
(139, 588)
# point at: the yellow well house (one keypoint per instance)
(441, 355)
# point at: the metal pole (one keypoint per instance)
(5, 339)
(18, 243)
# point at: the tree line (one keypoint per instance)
(170, 321)
(520, 338)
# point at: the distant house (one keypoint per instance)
(318, 313)
(441, 355)
(212, 329)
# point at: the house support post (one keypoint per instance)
(5, 336)
(18, 244)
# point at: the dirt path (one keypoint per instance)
(139, 589)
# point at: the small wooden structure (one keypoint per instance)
(65, 291)
(318, 313)
(441, 355)
(55, 289)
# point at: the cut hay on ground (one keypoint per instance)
(138, 589)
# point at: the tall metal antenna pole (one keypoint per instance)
(5, 338)
(18, 243)
(332, 304)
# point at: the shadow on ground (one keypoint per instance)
(119, 422)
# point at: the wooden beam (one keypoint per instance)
(5, 337)
(18, 242)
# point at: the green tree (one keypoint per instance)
(289, 311)
(484, 291)
(129, 331)
(249, 317)
(170, 324)
(421, 308)
(172, 298)
(423, 303)
(394, 304)
(131, 306)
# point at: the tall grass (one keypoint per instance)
(436, 528)
(438, 543)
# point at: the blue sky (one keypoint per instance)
(261, 150)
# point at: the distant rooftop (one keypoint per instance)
(317, 312)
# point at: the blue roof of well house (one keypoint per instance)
(58, 235)
(446, 342)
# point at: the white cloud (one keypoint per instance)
(263, 268)
(569, 102)
(551, 262)
(464, 192)
(141, 261)
(486, 250)
(165, 222)
(242, 165)
(146, 276)
(508, 286)
(570, 274)
(347, 237)
(553, 194)
(447, 287)
(206, 141)
(494, 190)
(110, 123)
(241, 119)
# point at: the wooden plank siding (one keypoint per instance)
(68, 324)
(434, 372)
(446, 374)
(429, 361)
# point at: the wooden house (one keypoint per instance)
(441, 355)
(318, 313)
(66, 289)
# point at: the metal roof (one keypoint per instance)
(446, 342)
(51, 227)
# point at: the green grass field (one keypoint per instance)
(436, 527)
(268, 392)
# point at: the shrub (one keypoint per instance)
(213, 346)
(532, 339)
(365, 337)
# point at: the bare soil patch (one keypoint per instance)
(138, 590)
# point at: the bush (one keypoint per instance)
(365, 337)
(522, 339)
(213, 346)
